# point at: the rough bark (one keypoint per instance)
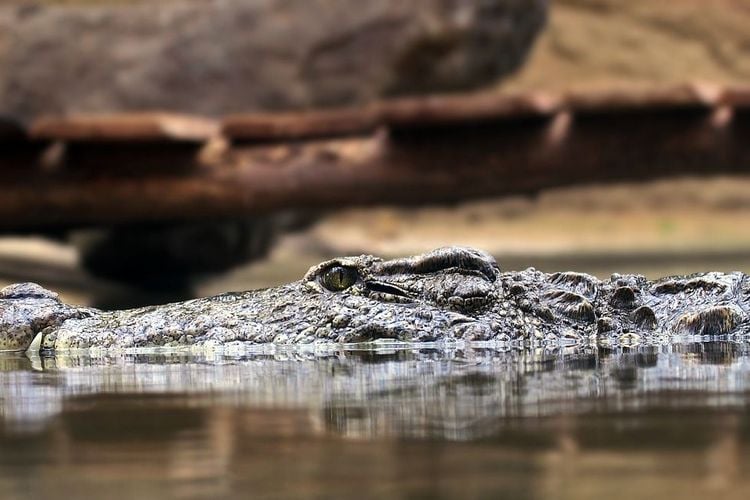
(410, 163)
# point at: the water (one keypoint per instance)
(665, 421)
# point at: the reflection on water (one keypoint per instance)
(650, 422)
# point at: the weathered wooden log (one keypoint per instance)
(135, 142)
(125, 127)
(429, 150)
(421, 152)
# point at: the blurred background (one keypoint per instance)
(65, 61)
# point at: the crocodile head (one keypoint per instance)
(438, 295)
(445, 295)
(448, 294)
(416, 299)
(27, 309)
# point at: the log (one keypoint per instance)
(136, 142)
(125, 127)
(437, 163)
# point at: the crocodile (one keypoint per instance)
(451, 294)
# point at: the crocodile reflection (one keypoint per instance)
(457, 394)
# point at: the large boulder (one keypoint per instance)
(219, 56)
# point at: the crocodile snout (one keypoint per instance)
(27, 309)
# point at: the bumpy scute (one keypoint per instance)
(623, 297)
(717, 320)
(581, 283)
(572, 305)
(644, 318)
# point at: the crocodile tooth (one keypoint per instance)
(715, 320)
(572, 305)
(644, 318)
(623, 298)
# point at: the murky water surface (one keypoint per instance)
(647, 422)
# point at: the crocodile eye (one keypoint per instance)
(339, 278)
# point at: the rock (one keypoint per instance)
(220, 56)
